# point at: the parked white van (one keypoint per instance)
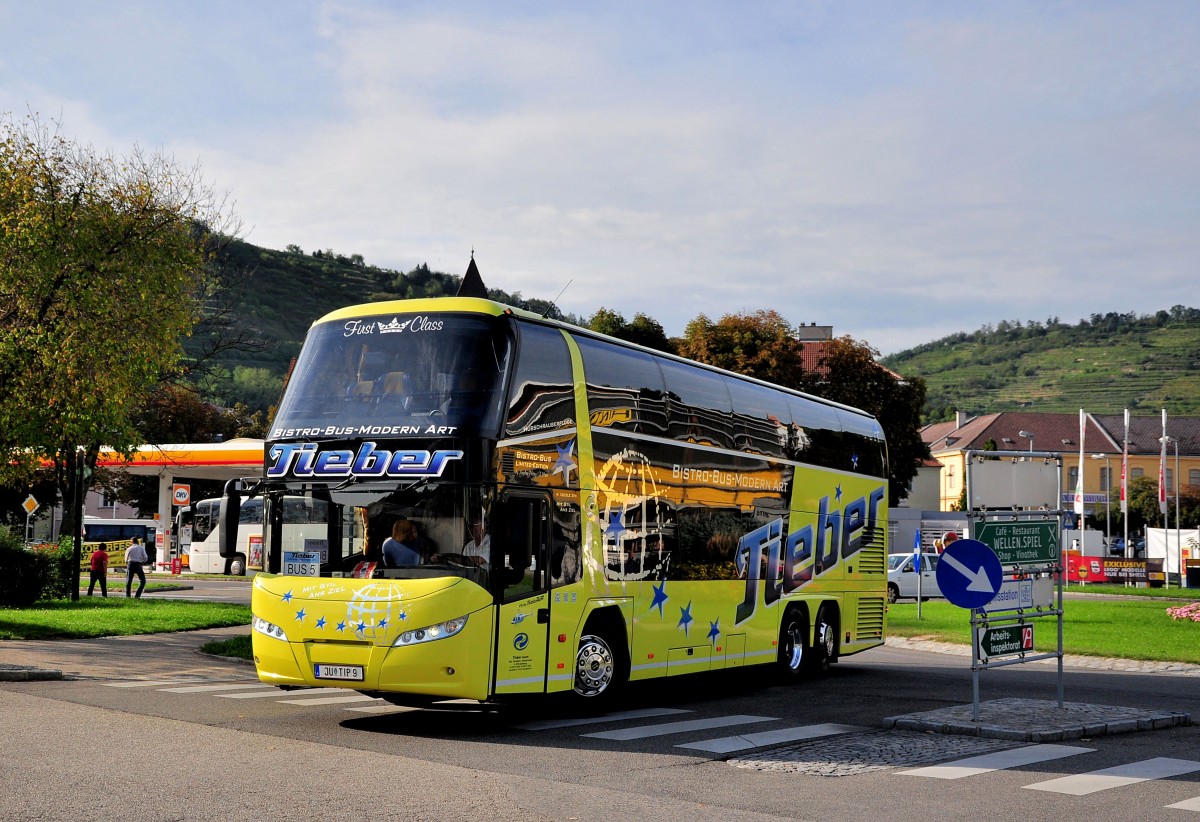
(902, 577)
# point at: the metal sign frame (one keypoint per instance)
(1035, 563)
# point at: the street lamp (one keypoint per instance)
(1107, 500)
(1027, 434)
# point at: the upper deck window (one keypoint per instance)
(397, 375)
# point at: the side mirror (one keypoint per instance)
(227, 520)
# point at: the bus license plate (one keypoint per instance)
(353, 672)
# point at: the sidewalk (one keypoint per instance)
(148, 656)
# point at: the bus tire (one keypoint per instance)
(793, 644)
(237, 566)
(825, 641)
(601, 670)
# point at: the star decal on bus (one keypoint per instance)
(300, 615)
(854, 461)
(287, 597)
(714, 631)
(566, 462)
(321, 623)
(341, 627)
(660, 597)
(685, 618)
(837, 491)
(615, 526)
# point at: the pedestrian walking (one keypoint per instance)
(135, 558)
(99, 566)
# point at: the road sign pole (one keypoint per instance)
(974, 666)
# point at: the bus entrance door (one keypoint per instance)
(520, 541)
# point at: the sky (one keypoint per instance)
(899, 171)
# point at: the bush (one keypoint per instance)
(24, 574)
(61, 563)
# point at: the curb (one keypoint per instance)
(27, 673)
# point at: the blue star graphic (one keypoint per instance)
(837, 491)
(615, 527)
(341, 627)
(383, 623)
(660, 596)
(854, 461)
(360, 627)
(287, 597)
(714, 631)
(565, 463)
(300, 615)
(321, 622)
(403, 615)
(685, 618)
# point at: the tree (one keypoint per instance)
(642, 331)
(847, 372)
(102, 264)
(761, 345)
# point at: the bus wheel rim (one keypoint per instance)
(594, 667)
(794, 646)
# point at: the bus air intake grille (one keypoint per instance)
(870, 618)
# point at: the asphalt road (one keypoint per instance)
(169, 734)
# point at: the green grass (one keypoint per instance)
(116, 616)
(1123, 628)
(237, 646)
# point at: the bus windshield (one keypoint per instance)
(397, 375)
(407, 533)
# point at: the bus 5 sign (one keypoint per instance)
(1009, 639)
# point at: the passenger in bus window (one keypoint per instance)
(400, 548)
(479, 548)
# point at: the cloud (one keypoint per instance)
(898, 171)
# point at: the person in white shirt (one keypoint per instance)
(479, 550)
(135, 558)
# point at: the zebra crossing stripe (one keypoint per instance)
(256, 694)
(645, 731)
(729, 744)
(618, 716)
(997, 761)
(330, 700)
(147, 683)
(1187, 804)
(1160, 767)
(227, 686)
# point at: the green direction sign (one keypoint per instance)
(1009, 639)
(1020, 543)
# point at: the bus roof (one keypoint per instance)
(476, 305)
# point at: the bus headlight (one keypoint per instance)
(268, 628)
(440, 631)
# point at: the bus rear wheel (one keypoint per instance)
(793, 645)
(825, 641)
(237, 566)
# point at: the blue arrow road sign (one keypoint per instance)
(969, 573)
(917, 552)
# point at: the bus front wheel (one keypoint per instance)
(237, 566)
(599, 670)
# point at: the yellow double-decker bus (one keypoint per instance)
(579, 513)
